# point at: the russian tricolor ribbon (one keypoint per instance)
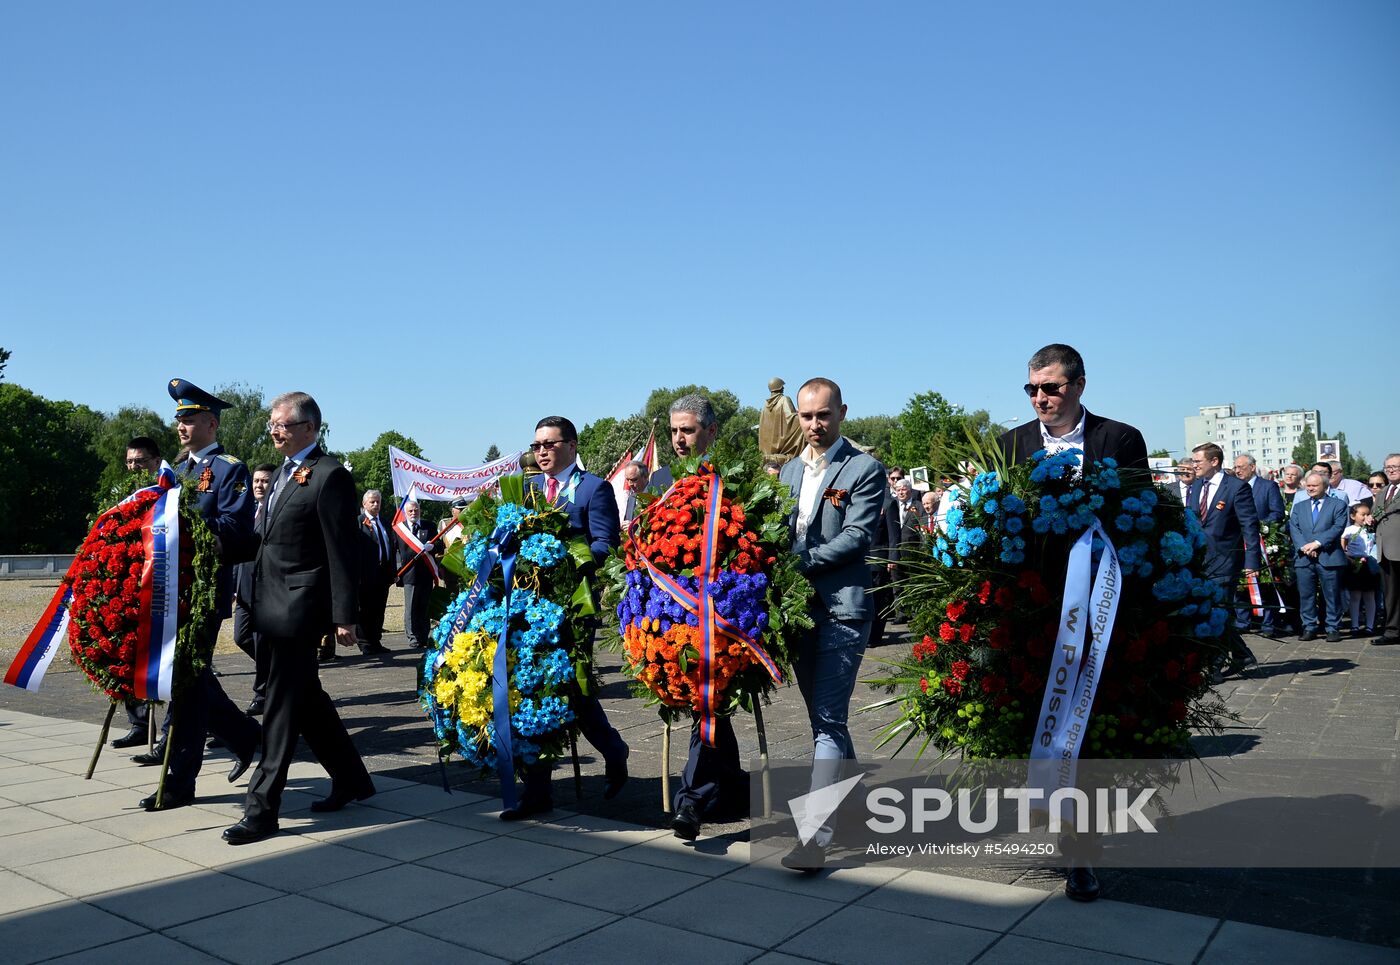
(155, 647)
(404, 531)
(713, 624)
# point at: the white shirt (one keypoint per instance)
(203, 456)
(1212, 486)
(1074, 439)
(814, 469)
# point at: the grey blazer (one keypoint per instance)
(839, 538)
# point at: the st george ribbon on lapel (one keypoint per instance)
(159, 595)
(1075, 669)
(500, 548)
(712, 624)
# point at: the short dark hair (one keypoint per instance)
(835, 389)
(1324, 466)
(1060, 354)
(565, 427)
(265, 467)
(1210, 451)
(145, 444)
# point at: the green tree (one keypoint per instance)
(932, 431)
(1354, 464)
(872, 431)
(46, 448)
(4, 359)
(110, 437)
(370, 469)
(243, 427)
(492, 454)
(1159, 454)
(1305, 452)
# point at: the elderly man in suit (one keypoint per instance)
(1268, 503)
(1226, 510)
(1055, 386)
(419, 578)
(304, 583)
(592, 507)
(1386, 515)
(220, 482)
(838, 490)
(377, 569)
(1316, 528)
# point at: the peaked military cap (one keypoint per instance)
(191, 398)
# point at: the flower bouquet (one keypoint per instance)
(988, 609)
(509, 708)
(709, 599)
(134, 602)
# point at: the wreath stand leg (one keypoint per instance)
(764, 774)
(102, 739)
(665, 764)
(150, 727)
(165, 767)
(578, 774)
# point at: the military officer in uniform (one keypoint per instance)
(222, 488)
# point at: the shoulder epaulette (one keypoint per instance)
(229, 458)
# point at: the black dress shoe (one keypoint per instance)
(132, 738)
(337, 799)
(686, 823)
(1384, 641)
(214, 743)
(239, 766)
(1082, 884)
(256, 708)
(1309, 636)
(246, 832)
(172, 799)
(616, 777)
(807, 858)
(155, 755)
(527, 808)
(1334, 637)
(370, 650)
(327, 657)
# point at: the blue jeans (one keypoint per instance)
(826, 663)
(1310, 575)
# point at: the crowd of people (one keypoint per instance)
(308, 566)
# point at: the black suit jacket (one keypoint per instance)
(911, 534)
(304, 576)
(371, 569)
(1103, 439)
(420, 572)
(887, 531)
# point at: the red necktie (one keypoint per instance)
(1205, 499)
(1390, 493)
(551, 489)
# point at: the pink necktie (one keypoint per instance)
(551, 489)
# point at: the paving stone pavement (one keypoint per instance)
(86, 876)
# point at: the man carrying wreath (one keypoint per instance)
(839, 491)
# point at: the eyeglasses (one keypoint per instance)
(284, 426)
(1376, 485)
(546, 445)
(1049, 388)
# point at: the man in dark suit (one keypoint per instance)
(221, 483)
(1055, 386)
(882, 558)
(714, 784)
(592, 508)
(1386, 516)
(1268, 503)
(1226, 510)
(377, 569)
(243, 634)
(838, 490)
(304, 582)
(1316, 528)
(418, 579)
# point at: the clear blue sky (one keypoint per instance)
(451, 219)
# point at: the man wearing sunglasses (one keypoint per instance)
(592, 507)
(1056, 383)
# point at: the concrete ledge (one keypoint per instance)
(48, 566)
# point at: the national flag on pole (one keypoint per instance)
(618, 480)
(648, 456)
(404, 532)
